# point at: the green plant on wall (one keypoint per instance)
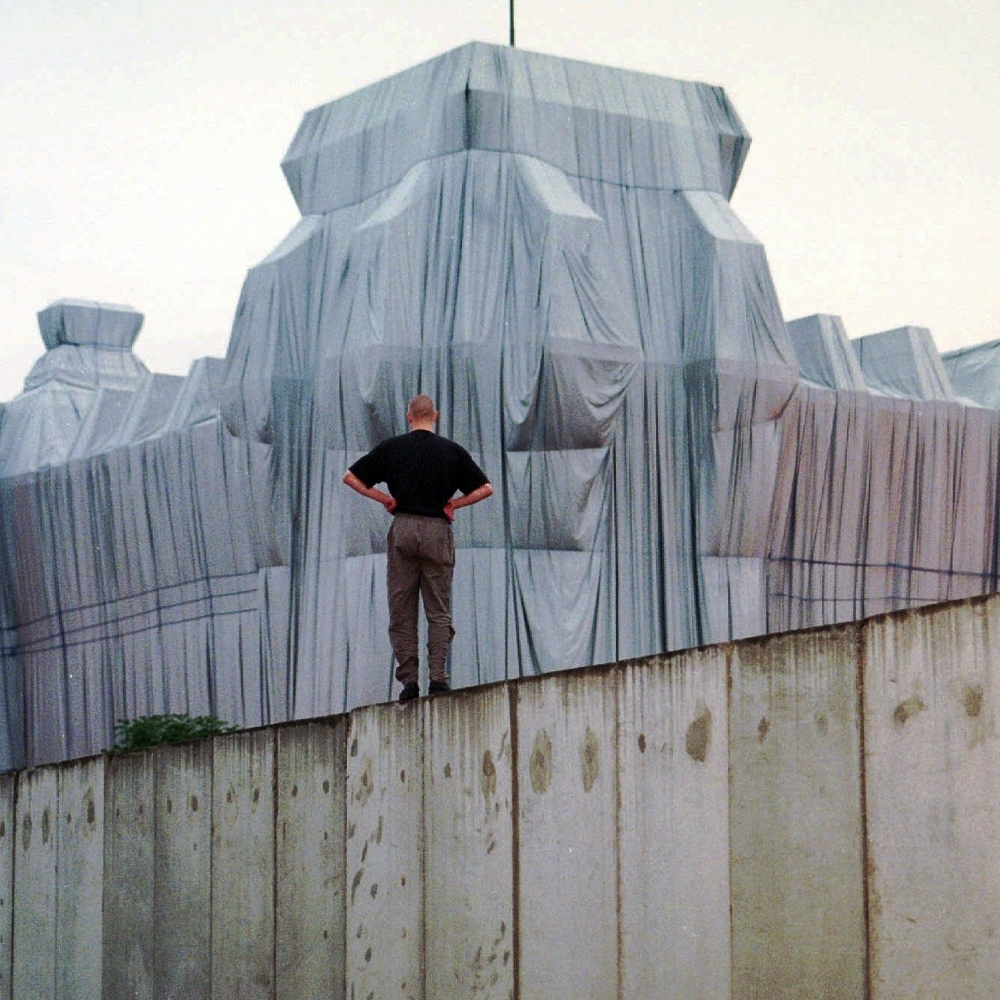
(154, 730)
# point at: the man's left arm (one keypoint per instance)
(467, 500)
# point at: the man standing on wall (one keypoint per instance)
(423, 472)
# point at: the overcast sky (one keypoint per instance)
(140, 144)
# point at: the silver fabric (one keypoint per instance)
(547, 248)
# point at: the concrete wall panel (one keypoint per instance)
(567, 860)
(932, 693)
(80, 873)
(468, 890)
(384, 885)
(183, 872)
(243, 866)
(673, 765)
(309, 893)
(130, 941)
(8, 792)
(798, 919)
(34, 967)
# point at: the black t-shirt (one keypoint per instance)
(422, 470)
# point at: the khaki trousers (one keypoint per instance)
(420, 564)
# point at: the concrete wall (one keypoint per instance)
(813, 815)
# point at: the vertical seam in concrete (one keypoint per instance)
(422, 846)
(515, 842)
(211, 868)
(275, 749)
(729, 806)
(616, 738)
(861, 659)
(14, 796)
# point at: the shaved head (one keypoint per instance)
(421, 408)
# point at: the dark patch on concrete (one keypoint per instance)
(170, 804)
(194, 803)
(590, 753)
(26, 832)
(699, 737)
(358, 876)
(489, 779)
(972, 700)
(295, 791)
(326, 786)
(540, 766)
(642, 742)
(46, 826)
(354, 747)
(447, 770)
(821, 724)
(905, 710)
(763, 728)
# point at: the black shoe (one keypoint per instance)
(438, 687)
(409, 692)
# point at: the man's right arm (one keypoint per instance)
(371, 492)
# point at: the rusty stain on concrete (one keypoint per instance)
(489, 779)
(972, 700)
(591, 759)
(541, 763)
(699, 736)
(905, 710)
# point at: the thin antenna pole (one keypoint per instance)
(512, 23)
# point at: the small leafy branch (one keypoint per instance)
(154, 730)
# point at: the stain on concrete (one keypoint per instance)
(194, 803)
(763, 727)
(366, 785)
(447, 770)
(590, 754)
(26, 832)
(699, 736)
(905, 710)
(821, 724)
(46, 826)
(488, 783)
(326, 787)
(642, 742)
(540, 766)
(358, 876)
(972, 700)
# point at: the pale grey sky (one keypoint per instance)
(141, 144)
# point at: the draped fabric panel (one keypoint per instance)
(547, 248)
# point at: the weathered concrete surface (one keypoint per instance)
(567, 882)
(130, 942)
(8, 791)
(35, 856)
(182, 883)
(243, 865)
(385, 853)
(798, 914)
(309, 853)
(933, 780)
(673, 827)
(468, 867)
(725, 822)
(80, 872)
